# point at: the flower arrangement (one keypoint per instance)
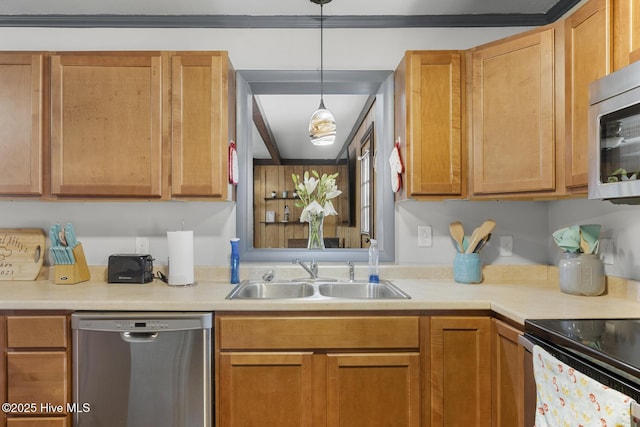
(315, 193)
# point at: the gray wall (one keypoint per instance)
(620, 223)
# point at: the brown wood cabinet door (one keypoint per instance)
(368, 389)
(587, 59)
(460, 371)
(513, 143)
(433, 123)
(37, 422)
(265, 389)
(21, 123)
(37, 376)
(508, 381)
(37, 331)
(200, 124)
(106, 124)
(626, 32)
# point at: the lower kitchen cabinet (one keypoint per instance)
(508, 390)
(514, 391)
(266, 388)
(371, 370)
(318, 371)
(460, 364)
(373, 389)
(36, 361)
(37, 422)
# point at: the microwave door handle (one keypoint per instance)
(523, 341)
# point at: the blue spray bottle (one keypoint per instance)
(235, 261)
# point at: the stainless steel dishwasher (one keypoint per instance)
(142, 369)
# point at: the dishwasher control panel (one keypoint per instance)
(141, 322)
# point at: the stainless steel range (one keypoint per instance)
(606, 350)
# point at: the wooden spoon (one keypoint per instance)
(479, 234)
(457, 233)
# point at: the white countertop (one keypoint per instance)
(508, 296)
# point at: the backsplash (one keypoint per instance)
(105, 228)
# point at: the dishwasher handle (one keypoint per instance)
(139, 337)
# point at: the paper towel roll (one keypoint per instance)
(181, 267)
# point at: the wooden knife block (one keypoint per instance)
(69, 274)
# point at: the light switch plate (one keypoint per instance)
(425, 237)
(606, 251)
(506, 245)
(142, 245)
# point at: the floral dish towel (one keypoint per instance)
(567, 398)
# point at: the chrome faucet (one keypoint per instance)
(352, 272)
(312, 268)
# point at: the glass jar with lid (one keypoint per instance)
(581, 274)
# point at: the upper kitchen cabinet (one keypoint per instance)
(626, 32)
(587, 58)
(513, 126)
(203, 122)
(22, 122)
(428, 108)
(107, 124)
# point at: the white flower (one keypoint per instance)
(315, 193)
(333, 194)
(310, 184)
(329, 209)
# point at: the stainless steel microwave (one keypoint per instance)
(614, 136)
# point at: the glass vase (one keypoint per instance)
(316, 233)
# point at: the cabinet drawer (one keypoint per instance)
(241, 333)
(37, 331)
(37, 422)
(37, 377)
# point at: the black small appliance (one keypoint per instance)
(130, 268)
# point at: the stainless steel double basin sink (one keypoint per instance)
(317, 289)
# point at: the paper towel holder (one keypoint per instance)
(173, 278)
(181, 249)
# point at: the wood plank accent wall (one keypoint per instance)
(268, 178)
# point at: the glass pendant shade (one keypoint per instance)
(322, 126)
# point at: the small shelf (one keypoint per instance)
(282, 222)
(280, 198)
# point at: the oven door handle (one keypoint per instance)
(523, 341)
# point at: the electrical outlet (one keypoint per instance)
(606, 250)
(142, 245)
(506, 245)
(425, 238)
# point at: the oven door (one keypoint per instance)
(614, 141)
(595, 371)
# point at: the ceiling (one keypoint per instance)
(288, 126)
(276, 7)
(288, 119)
(281, 13)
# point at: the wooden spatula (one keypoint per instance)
(479, 234)
(457, 233)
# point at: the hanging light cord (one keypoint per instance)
(321, 56)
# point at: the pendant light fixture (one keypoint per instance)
(322, 126)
